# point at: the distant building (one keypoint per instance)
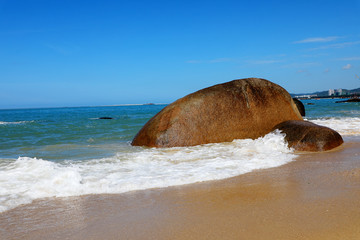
(339, 91)
(335, 92)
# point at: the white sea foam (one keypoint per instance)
(26, 179)
(19, 122)
(345, 126)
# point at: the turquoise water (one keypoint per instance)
(78, 133)
(60, 152)
(70, 133)
(328, 108)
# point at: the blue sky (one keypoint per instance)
(81, 53)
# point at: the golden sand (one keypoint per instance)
(315, 197)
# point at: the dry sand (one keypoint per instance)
(315, 197)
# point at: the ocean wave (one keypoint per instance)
(345, 126)
(11, 123)
(25, 179)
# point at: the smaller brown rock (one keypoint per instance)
(300, 106)
(307, 136)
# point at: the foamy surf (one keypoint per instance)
(26, 179)
(10, 123)
(344, 125)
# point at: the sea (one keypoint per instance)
(72, 151)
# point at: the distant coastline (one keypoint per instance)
(331, 93)
(113, 105)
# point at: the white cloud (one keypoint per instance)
(301, 65)
(318, 39)
(264, 61)
(194, 61)
(303, 71)
(347, 66)
(349, 59)
(337, 45)
(218, 60)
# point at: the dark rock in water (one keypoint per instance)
(105, 118)
(310, 103)
(245, 108)
(307, 136)
(349, 100)
(300, 106)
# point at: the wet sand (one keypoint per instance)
(315, 197)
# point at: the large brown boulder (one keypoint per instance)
(245, 108)
(307, 136)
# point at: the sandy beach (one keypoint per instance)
(315, 197)
(179, 120)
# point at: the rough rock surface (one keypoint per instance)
(300, 106)
(307, 136)
(245, 108)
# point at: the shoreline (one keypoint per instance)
(314, 197)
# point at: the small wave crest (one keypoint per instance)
(11, 123)
(137, 168)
